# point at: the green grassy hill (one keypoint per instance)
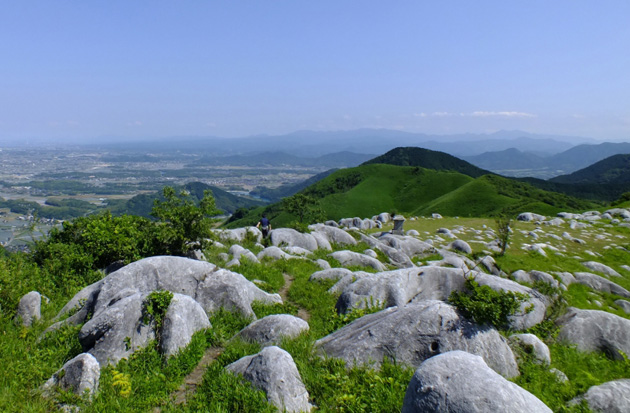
(370, 189)
(429, 159)
(612, 170)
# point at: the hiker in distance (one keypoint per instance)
(265, 226)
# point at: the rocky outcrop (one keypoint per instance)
(29, 309)
(593, 330)
(292, 238)
(460, 246)
(333, 235)
(414, 333)
(274, 372)
(272, 329)
(459, 382)
(529, 344)
(600, 284)
(529, 216)
(80, 376)
(350, 258)
(599, 267)
(610, 397)
(183, 318)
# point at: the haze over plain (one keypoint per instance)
(91, 71)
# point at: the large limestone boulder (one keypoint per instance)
(210, 286)
(29, 308)
(396, 256)
(274, 372)
(594, 330)
(274, 253)
(529, 216)
(532, 345)
(399, 287)
(351, 258)
(80, 376)
(461, 246)
(599, 267)
(334, 235)
(409, 245)
(183, 318)
(239, 234)
(292, 238)
(460, 382)
(610, 397)
(414, 333)
(600, 284)
(118, 330)
(272, 329)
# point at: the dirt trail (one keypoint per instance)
(195, 377)
(288, 280)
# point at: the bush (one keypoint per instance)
(484, 305)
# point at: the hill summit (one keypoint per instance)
(428, 159)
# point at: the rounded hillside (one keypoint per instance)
(425, 158)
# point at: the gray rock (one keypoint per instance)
(334, 235)
(610, 397)
(619, 212)
(560, 376)
(183, 318)
(272, 329)
(413, 233)
(223, 256)
(594, 330)
(273, 371)
(529, 216)
(600, 284)
(330, 274)
(385, 217)
(461, 246)
(274, 253)
(331, 223)
(396, 256)
(233, 263)
(625, 305)
(322, 241)
(554, 222)
(297, 251)
(323, 264)
(239, 234)
(566, 278)
(530, 313)
(459, 382)
(117, 330)
(530, 344)
(436, 216)
(292, 238)
(80, 376)
(399, 287)
(349, 258)
(413, 333)
(210, 286)
(543, 277)
(29, 309)
(604, 269)
(370, 253)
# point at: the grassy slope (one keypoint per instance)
(375, 188)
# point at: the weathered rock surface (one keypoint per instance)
(396, 256)
(399, 287)
(29, 308)
(461, 246)
(625, 305)
(415, 332)
(292, 238)
(529, 216)
(594, 330)
(272, 329)
(531, 344)
(459, 382)
(210, 286)
(239, 234)
(610, 397)
(183, 318)
(273, 371)
(274, 253)
(599, 267)
(350, 258)
(333, 234)
(117, 330)
(80, 376)
(600, 284)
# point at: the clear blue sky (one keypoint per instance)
(85, 69)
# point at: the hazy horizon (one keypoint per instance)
(88, 71)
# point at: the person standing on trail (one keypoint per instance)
(265, 226)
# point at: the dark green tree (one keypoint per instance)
(184, 224)
(304, 207)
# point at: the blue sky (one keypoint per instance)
(80, 70)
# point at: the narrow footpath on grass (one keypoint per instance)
(195, 377)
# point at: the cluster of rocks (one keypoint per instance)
(459, 363)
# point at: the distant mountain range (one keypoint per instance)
(364, 141)
(513, 162)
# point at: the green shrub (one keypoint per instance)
(485, 305)
(155, 306)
